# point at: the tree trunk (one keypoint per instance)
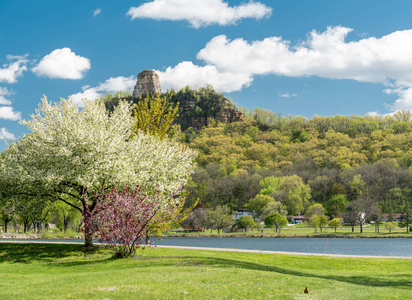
(353, 228)
(5, 226)
(335, 229)
(361, 228)
(88, 241)
(25, 226)
(65, 223)
(87, 222)
(88, 231)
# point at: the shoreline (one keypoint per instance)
(326, 236)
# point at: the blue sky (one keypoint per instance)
(290, 56)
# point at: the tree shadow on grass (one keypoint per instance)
(405, 282)
(29, 253)
(401, 280)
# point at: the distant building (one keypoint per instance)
(298, 219)
(244, 213)
(395, 217)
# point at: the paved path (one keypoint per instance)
(225, 249)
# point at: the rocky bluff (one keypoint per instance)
(147, 82)
(196, 107)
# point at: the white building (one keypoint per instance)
(243, 213)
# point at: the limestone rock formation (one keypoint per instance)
(228, 114)
(188, 116)
(148, 82)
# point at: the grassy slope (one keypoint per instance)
(33, 271)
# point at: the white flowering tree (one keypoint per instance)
(81, 153)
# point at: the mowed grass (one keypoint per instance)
(42, 271)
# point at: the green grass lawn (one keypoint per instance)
(41, 271)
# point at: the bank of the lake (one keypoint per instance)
(301, 231)
(294, 231)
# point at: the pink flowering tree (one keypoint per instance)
(122, 219)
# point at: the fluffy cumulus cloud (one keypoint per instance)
(386, 60)
(62, 63)
(4, 94)
(113, 84)
(5, 134)
(199, 12)
(8, 113)
(404, 101)
(186, 73)
(323, 54)
(10, 72)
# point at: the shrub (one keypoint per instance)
(246, 222)
(276, 220)
(122, 219)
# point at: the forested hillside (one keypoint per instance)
(342, 162)
(337, 161)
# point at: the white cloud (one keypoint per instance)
(323, 54)
(3, 93)
(63, 63)
(405, 98)
(10, 72)
(287, 95)
(386, 60)
(8, 113)
(113, 84)
(97, 12)
(5, 134)
(186, 73)
(373, 114)
(199, 12)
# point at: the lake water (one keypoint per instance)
(360, 246)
